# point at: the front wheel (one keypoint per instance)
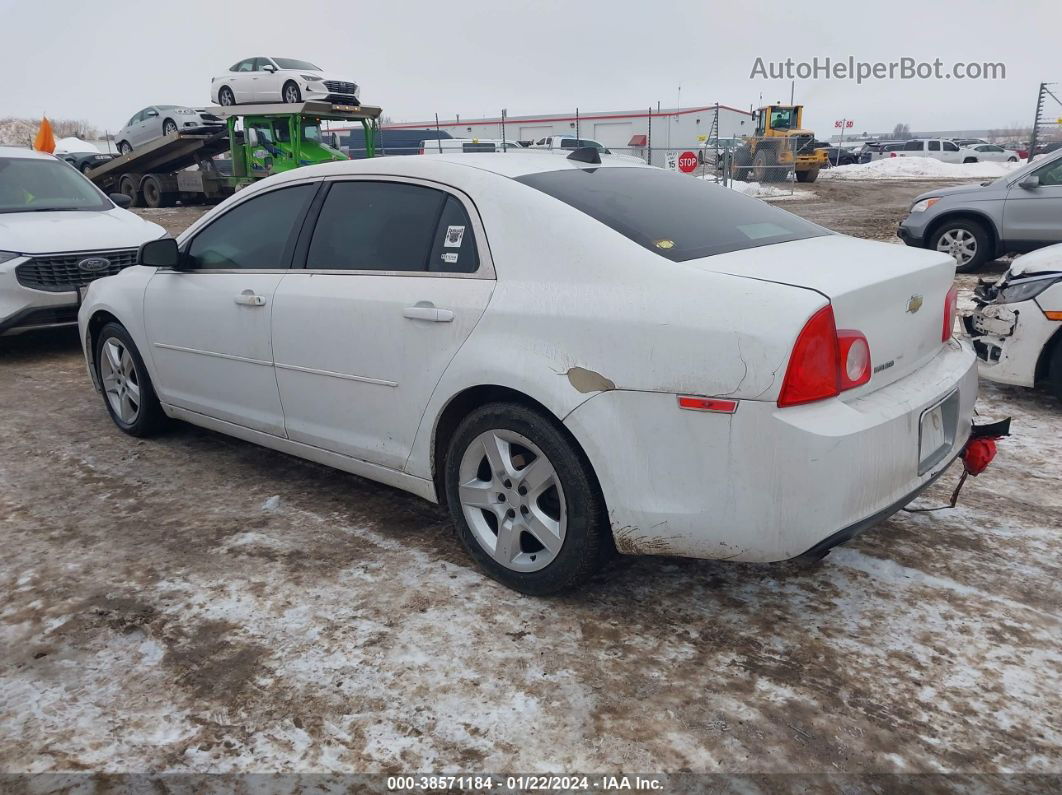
(169, 127)
(966, 241)
(291, 93)
(969, 160)
(1012, 160)
(127, 390)
(524, 500)
(810, 175)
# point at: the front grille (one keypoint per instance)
(339, 87)
(804, 144)
(60, 273)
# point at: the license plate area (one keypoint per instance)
(936, 431)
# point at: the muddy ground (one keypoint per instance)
(195, 603)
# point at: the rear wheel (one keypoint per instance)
(966, 241)
(226, 97)
(127, 390)
(1012, 160)
(124, 147)
(169, 127)
(810, 175)
(524, 500)
(128, 185)
(742, 162)
(970, 160)
(291, 93)
(152, 192)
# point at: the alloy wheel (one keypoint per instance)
(120, 383)
(960, 243)
(169, 128)
(291, 93)
(226, 98)
(512, 499)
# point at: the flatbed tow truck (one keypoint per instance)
(271, 139)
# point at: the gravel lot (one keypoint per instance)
(195, 603)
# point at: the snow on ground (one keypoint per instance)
(763, 190)
(919, 168)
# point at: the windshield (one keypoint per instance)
(675, 216)
(782, 118)
(311, 133)
(294, 63)
(33, 185)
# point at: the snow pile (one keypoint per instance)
(763, 190)
(918, 167)
(74, 144)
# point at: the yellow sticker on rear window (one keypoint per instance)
(665, 244)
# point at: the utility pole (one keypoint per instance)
(503, 131)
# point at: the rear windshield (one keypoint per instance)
(675, 216)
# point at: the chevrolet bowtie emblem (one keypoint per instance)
(914, 304)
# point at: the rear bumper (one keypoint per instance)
(767, 484)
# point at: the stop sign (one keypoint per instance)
(687, 162)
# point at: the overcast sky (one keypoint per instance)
(105, 60)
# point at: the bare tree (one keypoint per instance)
(901, 132)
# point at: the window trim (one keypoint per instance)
(302, 246)
(293, 239)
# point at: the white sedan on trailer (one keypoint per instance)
(1016, 325)
(574, 355)
(264, 79)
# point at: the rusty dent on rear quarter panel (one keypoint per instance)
(589, 381)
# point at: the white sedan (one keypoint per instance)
(1016, 325)
(573, 355)
(263, 79)
(978, 153)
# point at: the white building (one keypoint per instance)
(627, 131)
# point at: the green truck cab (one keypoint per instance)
(274, 143)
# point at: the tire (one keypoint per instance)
(169, 127)
(124, 147)
(766, 169)
(810, 175)
(290, 93)
(127, 185)
(565, 507)
(135, 411)
(966, 240)
(86, 168)
(226, 97)
(152, 192)
(969, 160)
(1012, 160)
(742, 161)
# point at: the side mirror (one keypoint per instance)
(269, 67)
(1030, 183)
(159, 253)
(121, 199)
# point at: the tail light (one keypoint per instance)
(950, 308)
(825, 361)
(421, 151)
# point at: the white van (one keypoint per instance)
(451, 145)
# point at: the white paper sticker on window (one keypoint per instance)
(450, 258)
(454, 236)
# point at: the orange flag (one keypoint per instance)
(45, 141)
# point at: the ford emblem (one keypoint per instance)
(94, 264)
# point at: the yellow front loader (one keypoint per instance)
(779, 145)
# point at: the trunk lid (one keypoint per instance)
(893, 294)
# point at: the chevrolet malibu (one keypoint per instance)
(576, 355)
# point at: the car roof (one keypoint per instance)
(511, 164)
(18, 151)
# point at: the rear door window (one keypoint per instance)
(376, 226)
(934, 146)
(912, 146)
(677, 217)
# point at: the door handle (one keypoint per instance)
(426, 310)
(248, 298)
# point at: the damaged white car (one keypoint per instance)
(575, 354)
(1016, 326)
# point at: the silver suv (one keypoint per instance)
(978, 223)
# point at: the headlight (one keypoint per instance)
(312, 78)
(1024, 290)
(925, 204)
(8, 255)
(186, 111)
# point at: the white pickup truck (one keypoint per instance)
(937, 148)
